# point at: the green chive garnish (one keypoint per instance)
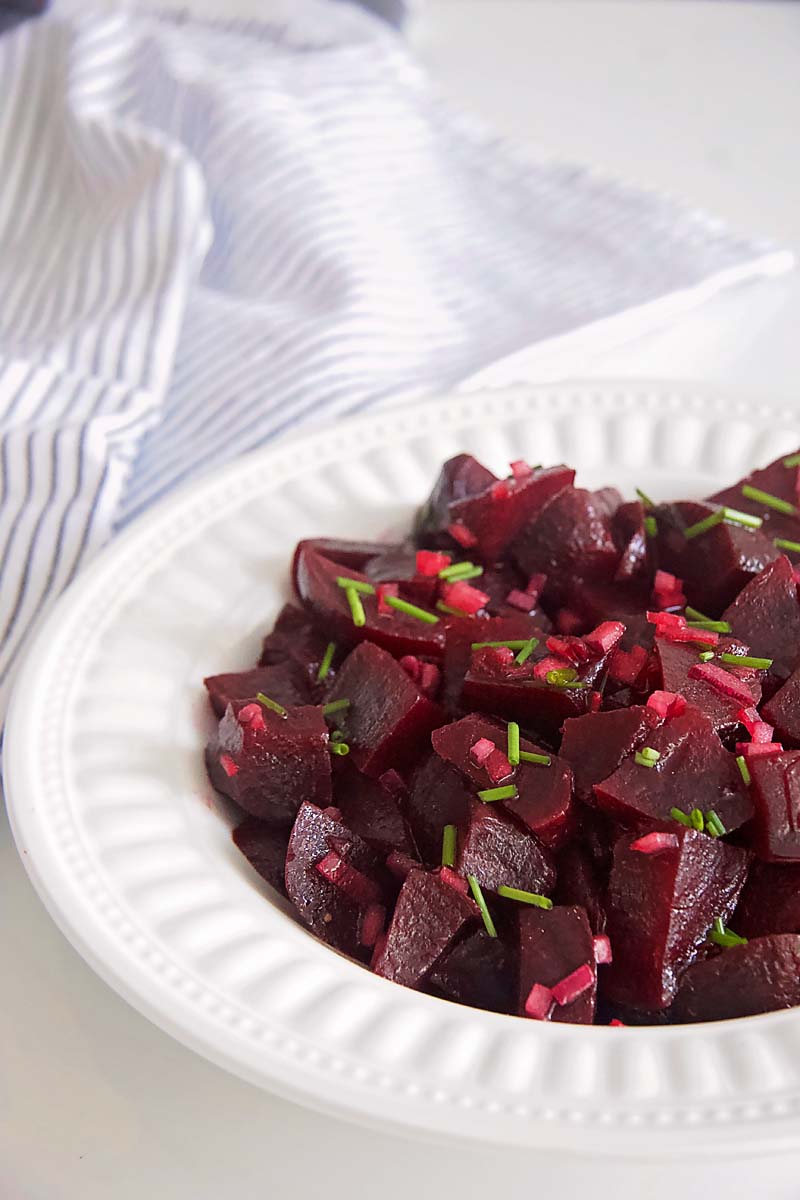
(339, 748)
(678, 815)
(358, 585)
(694, 614)
(714, 518)
(507, 792)
(461, 570)
(565, 677)
(445, 608)
(792, 461)
(747, 660)
(512, 893)
(334, 706)
(647, 756)
(732, 516)
(475, 887)
(645, 499)
(741, 763)
(513, 645)
(714, 825)
(336, 735)
(449, 835)
(770, 501)
(539, 760)
(712, 626)
(722, 936)
(706, 655)
(356, 607)
(327, 659)
(785, 544)
(651, 527)
(697, 819)
(411, 610)
(512, 753)
(272, 705)
(526, 651)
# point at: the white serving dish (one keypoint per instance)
(130, 851)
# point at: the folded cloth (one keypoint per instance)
(210, 234)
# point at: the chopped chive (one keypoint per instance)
(650, 527)
(714, 518)
(445, 608)
(718, 925)
(356, 607)
(697, 819)
(539, 760)
(512, 752)
(526, 651)
(272, 705)
(327, 659)
(411, 610)
(475, 888)
(507, 792)
(512, 893)
(712, 626)
(336, 735)
(513, 645)
(461, 570)
(678, 815)
(564, 678)
(732, 516)
(449, 836)
(741, 763)
(706, 655)
(766, 498)
(694, 614)
(714, 825)
(792, 461)
(747, 660)
(785, 544)
(358, 585)
(645, 499)
(334, 706)
(339, 748)
(722, 936)
(646, 757)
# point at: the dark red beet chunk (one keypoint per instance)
(660, 908)
(626, 602)
(783, 710)
(676, 659)
(570, 539)
(459, 477)
(354, 555)
(326, 908)
(627, 526)
(694, 771)
(770, 900)
(499, 854)
(429, 917)
(762, 976)
(438, 796)
(461, 632)
(496, 515)
(371, 810)
(389, 720)
(715, 565)
(271, 764)
(295, 640)
(766, 615)
(264, 847)
(776, 800)
(284, 682)
(551, 946)
(775, 480)
(595, 744)
(579, 883)
(479, 971)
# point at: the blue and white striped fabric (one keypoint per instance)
(208, 235)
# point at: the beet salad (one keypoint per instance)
(543, 756)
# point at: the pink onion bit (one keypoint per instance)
(228, 765)
(618, 1024)
(461, 534)
(569, 622)
(382, 590)
(479, 751)
(497, 766)
(605, 637)
(762, 732)
(411, 665)
(540, 1003)
(429, 678)
(372, 924)
(758, 749)
(601, 944)
(464, 596)
(448, 876)
(666, 704)
(521, 600)
(654, 843)
(431, 562)
(355, 884)
(626, 666)
(551, 663)
(721, 681)
(252, 715)
(573, 985)
(520, 469)
(668, 590)
(749, 717)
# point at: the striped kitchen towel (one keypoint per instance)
(210, 234)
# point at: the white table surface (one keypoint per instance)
(96, 1103)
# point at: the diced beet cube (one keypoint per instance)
(459, 477)
(498, 853)
(675, 660)
(478, 971)
(775, 480)
(776, 800)
(552, 945)
(595, 744)
(660, 908)
(766, 615)
(328, 910)
(370, 809)
(389, 720)
(280, 761)
(496, 515)
(570, 540)
(284, 682)
(762, 976)
(693, 771)
(428, 919)
(783, 709)
(770, 900)
(295, 640)
(578, 882)
(715, 565)
(264, 846)
(437, 796)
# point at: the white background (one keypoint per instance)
(701, 99)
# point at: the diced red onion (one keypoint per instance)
(626, 666)
(520, 469)
(465, 597)
(762, 732)
(551, 663)
(605, 637)
(400, 864)
(573, 985)
(601, 944)
(497, 658)
(535, 585)
(355, 884)
(448, 876)
(498, 767)
(479, 751)
(749, 717)
(500, 490)
(668, 590)
(252, 715)
(431, 562)
(540, 1002)
(372, 924)
(569, 622)
(664, 620)
(382, 590)
(758, 749)
(411, 665)
(573, 649)
(595, 701)
(429, 677)
(619, 1024)
(228, 765)
(721, 681)
(459, 533)
(666, 704)
(654, 843)
(521, 600)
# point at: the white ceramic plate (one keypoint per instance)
(131, 853)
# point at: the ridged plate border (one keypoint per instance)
(123, 842)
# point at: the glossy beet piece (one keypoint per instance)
(459, 478)
(762, 976)
(285, 682)
(355, 555)
(783, 710)
(627, 527)
(715, 565)
(429, 917)
(770, 900)
(264, 846)
(438, 795)
(461, 632)
(595, 744)
(570, 539)
(498, 853)
(496, 515)
(551, 946)
(694, 771)
(315, 582)
(674, 661)
(579, 882)
(479, 971)
(776, 800)
(389, 721)
(766, 615)
(271, 764)
(321, 905)
(775, 480)
(660, 908)
(371, 809)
